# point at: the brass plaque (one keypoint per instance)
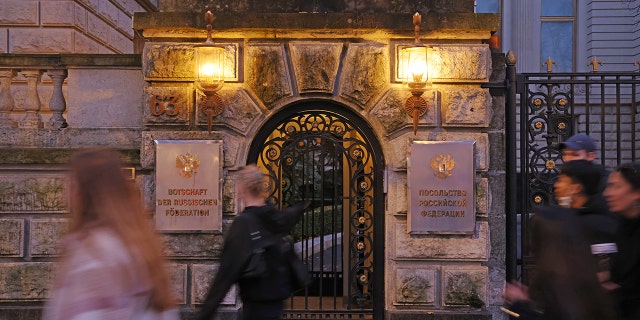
(188, 185)
(441, 182)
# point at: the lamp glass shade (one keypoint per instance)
(209, 62)
(414, 70)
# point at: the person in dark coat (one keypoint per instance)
(577, 188)
(623, 197)
(564, 286)
(262, 297)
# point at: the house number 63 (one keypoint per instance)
(163, 105)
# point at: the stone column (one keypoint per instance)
(32, 102)
(6, 99)
(57, 104)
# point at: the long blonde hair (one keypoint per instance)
(104, 197)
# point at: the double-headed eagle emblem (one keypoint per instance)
(442, 165)
(187, 163)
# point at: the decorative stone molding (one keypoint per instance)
(167, 105)
(26, 193)
(464, 286)
(391, 113)
(202, 275)
(192, 245)
(267, 73)
(365, 72)
(436, 248)
(6, 99)
(231, 145)
(240, 111)
(45, 236)
(57, 104)
(456, 63)
(483, 197)
(25, 280)
(398, 155)
(12, 238)
(169, 61)
(465, 106)
(32, 103)
(315, 65)
(415, 286)
(178, 278)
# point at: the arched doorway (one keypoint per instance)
(323, 152)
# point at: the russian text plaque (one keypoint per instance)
(188, 179)
(441, 180)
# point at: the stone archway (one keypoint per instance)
(323, 152)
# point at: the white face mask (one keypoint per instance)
(565, 202)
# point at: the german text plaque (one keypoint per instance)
(188, 179)
(441, 184)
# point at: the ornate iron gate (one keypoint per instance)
(552, 108)
(323, 155)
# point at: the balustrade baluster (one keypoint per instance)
(6, 99)
(57, 104)
(32, 118)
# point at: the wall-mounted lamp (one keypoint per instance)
(414, 72)
(209, 62)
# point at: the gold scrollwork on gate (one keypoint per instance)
(550, 164)
(537, 199)
(537, 102)
(562, 102)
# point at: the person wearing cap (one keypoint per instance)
(578, 147)
(582, 147)
(577, 188)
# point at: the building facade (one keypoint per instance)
(284, 68)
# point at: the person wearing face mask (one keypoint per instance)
(577, 188)
(623, 197)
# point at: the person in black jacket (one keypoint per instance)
(262, 296)
(564, 285)
(577, 186)
(623, 197)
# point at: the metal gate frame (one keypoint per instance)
(333, 108)
(553, 107)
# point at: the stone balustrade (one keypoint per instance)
(26, 113)
(35, 89)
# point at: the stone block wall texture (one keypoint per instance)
(425, 273)
(321, 6)
(442, 273)
(68, 26)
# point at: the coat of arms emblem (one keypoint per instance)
(442, 165)
(187, 163)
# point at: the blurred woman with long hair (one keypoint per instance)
(623, 197)
(112, 267)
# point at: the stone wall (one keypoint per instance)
(73, 26)
(455, 276)
(452, 277)
(102, 109)
(318, 6)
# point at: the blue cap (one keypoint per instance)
(579, 141)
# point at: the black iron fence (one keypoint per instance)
(551, 107)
